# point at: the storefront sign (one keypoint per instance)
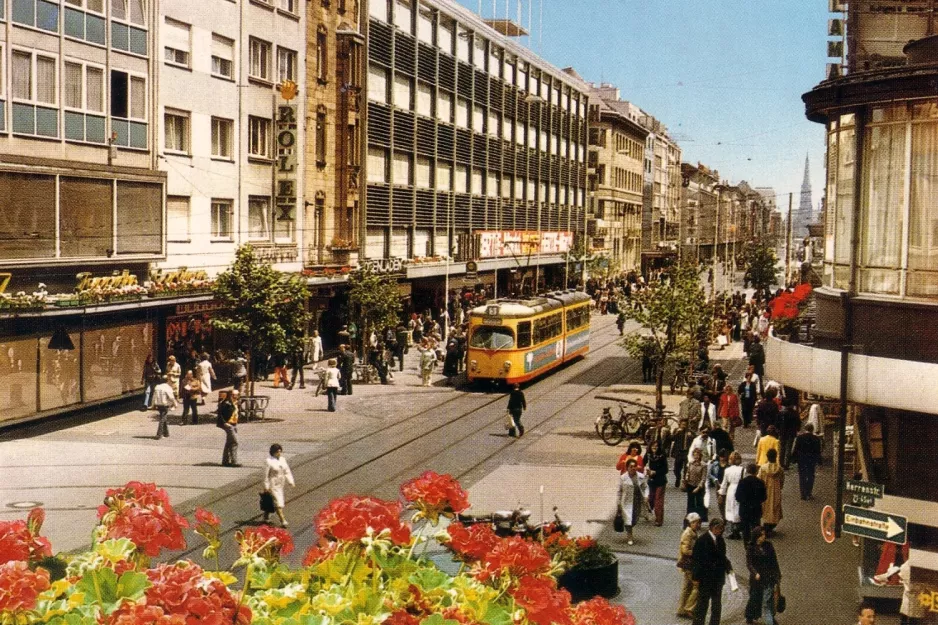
(495, 244)
(197, 307)
(286, 162)
(382, 265)
(5, 281)
(876, 525)
(863, 494)
(181, 275)
(929, 600)
(86, 280)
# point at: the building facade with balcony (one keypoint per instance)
(476, 150)
(874, 339)
(698, 211)
(661, 209)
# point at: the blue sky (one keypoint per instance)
(725, 76)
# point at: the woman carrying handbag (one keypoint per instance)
(765, 579)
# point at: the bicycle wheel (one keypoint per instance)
(632, 424)
(600, 422)
(612, 433)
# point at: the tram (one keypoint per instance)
(516, 340)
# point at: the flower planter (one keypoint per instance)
(585, 584)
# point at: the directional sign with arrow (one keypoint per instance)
(876, 525)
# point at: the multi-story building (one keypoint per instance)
(874, 341)
(230, 141)
(476, 152)
(616, 164)
(661, 208)
(698, 211)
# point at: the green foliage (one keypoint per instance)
(102, 587)
(671, 315)
(761, 265)
(594, 557)
(377, 300)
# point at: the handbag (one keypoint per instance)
(267, 502)
(618, 523)
(780, 602)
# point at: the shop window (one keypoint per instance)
(113, 359)
(18, 378)
(139, 218)
(86, 218)
(59, 374)
(27, 220)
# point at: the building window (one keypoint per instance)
(401, 170)
(258, 217)
(83, 98)
(91, 5)
(34, 83)
(403, 16)
(444, 176)
(321, 136)
(462, 113)
(222, 133)
(260, 59)
(322, 42)
(462, 43)
(221, 219)
(378, 84)
(288, 5)
(444, 107)
(444, 34)
(80, 24)
(128, 20)
(377, 165)
(424, 176)
(177, 42)
(378, 9)
(424, 99)
(222, 57)
(259, 137)
(286, 65)
(37, 13)
(403, 88)
(176, 131)
(425, 24)
(128, 109)
(129, 10)
(177, 219)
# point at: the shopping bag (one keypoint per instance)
(618, 523)
(267, 502)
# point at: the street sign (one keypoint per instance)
(472, 270)
(828, 522)
(863, 494)
(876, 525)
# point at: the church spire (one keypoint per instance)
(806, 205)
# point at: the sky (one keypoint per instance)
(725, 76)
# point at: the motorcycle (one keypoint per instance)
(506, 523)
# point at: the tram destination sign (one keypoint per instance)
(863, 494)
(876, 525)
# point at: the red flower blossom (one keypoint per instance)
(142, 513)
(557, 540)
(802, 291)
(453, 613)
(785, 306)
(401, 617)
(181, 589)
(19, 586)
(266, 541)
(204, 517)
(585, 542)
(18, 542)
(321, 552)
(598, 611)
(543, 603)
(471, 543)
(140, 614)
(349, 518)
(515, 557)
(433, 494)
(35, 519)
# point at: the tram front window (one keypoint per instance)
(492, 338)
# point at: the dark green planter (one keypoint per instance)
(585, 584)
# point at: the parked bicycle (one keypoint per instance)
(613, 430)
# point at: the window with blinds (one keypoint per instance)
(222, 57)
(177, 219)
(177, 42)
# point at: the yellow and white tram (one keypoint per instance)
(514, 340)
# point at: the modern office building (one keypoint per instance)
(476, 151)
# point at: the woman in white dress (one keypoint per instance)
(633, 496)
(731, 477)
(276, 476)
(206, 375)
(316, 347)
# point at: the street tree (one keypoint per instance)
(263, 308)
(672, 314)
(761, 265)
(594, 265)
(376, 301)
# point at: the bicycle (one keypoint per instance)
(613, 430)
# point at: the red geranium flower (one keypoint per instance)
(204, 517)
(19, 586)
(182, 589)
(543, 603)
(585, 542)
(433, 494)
(401, 617)
(142, 513)
(268, 542)
(471, 543)
(515, 557)
(598, 611)
(349, 518)
(18, 542)
(321, 552)
(802, 291)
(453, 613)
(140, 614)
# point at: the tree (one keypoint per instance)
(671, 315)
(593, 264)
(761, 265)
(376, 299)
(264, 308)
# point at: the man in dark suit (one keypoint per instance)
(807, 454)
(750, 494)
(710, 566)
(346, 368)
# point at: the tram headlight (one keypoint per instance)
(474, 365)
(507, 365)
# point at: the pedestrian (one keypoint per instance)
(344, 336)
(689, 410)
(632, 452)
(656, 469)
(240, 375)
(729, 411)
(791, 423)
(680, 445)
(451, 363)
(315, 347)
(228, 421)
(748, 395)
(768, 442)
(164, 398)
(731, 478)
(660, 434)
(685, 561)
(765, 578)
(708, 412)
(333, 382)
(911, 610)
(346, 366)
(277, 475)
(516, 407)
(715, 479)
(757, 358)
(719, 377)
(280, 370)
(694, 483)
(721, 439)
(773, 475)
(705, 445)
(298, 364)
(151, 377)
(206, 375)
(400, 348)
(191, 396)
(807, 453)
(866, 614)
(427, 362)
(173, 373)
(620, 323)
(633, 497)
(750, 495)
(710, 567)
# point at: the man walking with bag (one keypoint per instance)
(710, 566)
(164, 398)
(228, 421)
(516, 406)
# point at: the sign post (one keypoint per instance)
(862, 494)
(882, 526)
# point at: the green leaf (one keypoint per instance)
(132, 585)
(430, 579)
(100, 587)
(437, 619)
(497, 615)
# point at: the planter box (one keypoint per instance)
(584, 584)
